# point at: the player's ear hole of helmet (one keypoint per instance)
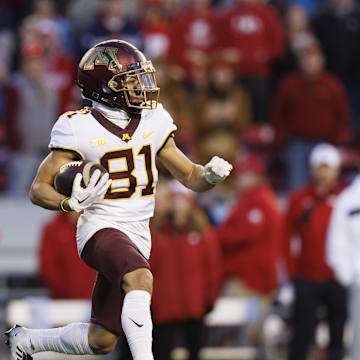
(106, 89)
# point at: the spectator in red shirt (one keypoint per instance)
(309, 106)
(154, 27)
(251, 35)
(250, 239)
(61, 269)
(192, 39)
(308, 218)
(186, 266)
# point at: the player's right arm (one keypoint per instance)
(42, 192)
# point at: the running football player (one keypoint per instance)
(124, 130)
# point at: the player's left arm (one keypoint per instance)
(194, 176)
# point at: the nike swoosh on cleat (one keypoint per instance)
(138, 325)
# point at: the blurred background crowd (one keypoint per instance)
(272, 87)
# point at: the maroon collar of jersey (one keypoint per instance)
(124, 134)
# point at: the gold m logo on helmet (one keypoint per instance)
(103, 56)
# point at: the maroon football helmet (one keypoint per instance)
(117, 74)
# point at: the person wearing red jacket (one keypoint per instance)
(60, 267)
(186, 266)
(250, 241)
(192, 40)
(154, 27)
(251, 34)
(309, 106)
(308, 217)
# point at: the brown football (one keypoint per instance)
(63, 181)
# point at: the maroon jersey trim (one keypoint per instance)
(124, 134)
(77, 154)
(171, 135)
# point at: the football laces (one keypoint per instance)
(73, 163)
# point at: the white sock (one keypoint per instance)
(71, 339)
(137, 324)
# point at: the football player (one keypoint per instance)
(124, 130)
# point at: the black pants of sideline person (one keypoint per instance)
(309, 296)
(168, 336)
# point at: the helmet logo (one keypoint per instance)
(104, 56)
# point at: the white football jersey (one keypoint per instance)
(129, 157)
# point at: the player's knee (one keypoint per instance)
(101, 342)
(139, 279)
(101, 346)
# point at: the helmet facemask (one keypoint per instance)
(138, 85)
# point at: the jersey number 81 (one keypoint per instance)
(128, 155)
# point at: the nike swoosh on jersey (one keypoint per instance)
(138, 325)
(148, 134)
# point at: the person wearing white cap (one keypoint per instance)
(325, 154)
(307, 220)
(343, 253)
